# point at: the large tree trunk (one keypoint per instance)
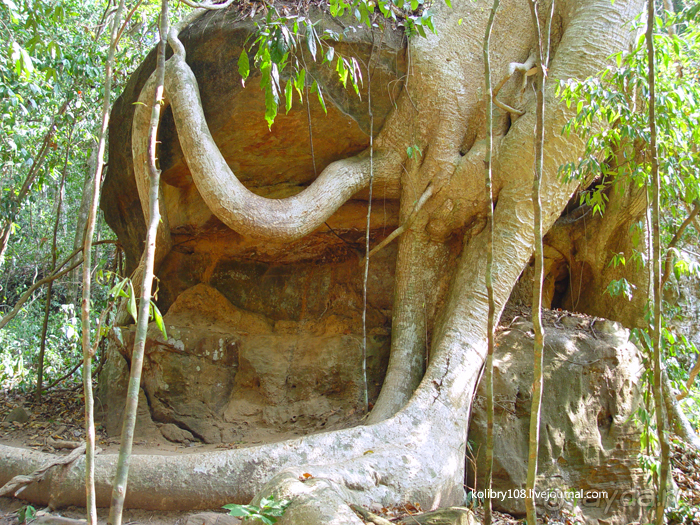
(413, 447)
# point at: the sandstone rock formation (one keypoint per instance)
(284, 319)
(247, 319)
(227, 375)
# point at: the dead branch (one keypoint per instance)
(407, 224)
(26, 295)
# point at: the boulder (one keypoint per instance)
(260, 334)
(275, 162)
(17, 415)
(589, 441)
(176, 434)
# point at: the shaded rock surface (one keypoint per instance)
(260, 334)
(225, 373)
(588, 439)
(17, 415)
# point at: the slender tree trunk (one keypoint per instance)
(365, 394)
(49, 287)
(120, 480)
(537, 383)
(81, 220)
(489, 273)
(91, 507)
(677, 420)
(656, 275)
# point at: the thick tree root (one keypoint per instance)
(348, 466)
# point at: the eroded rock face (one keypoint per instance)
(588, 440)
(225, 374)
(261, 334)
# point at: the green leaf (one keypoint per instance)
(320, 96)
(342, 71)
(288, 92)
(300, 83)
(117, 289)
(131, 304)
(244, 65)
(157, 316)
(239, 511)
(311, 40)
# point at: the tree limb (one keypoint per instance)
(491, 335)
(52, 277)
(527, 68)
(661, 477)
(119, 485)
(691, 379)
(236, 206)
(676, 418)
(26, 295)
(543, 46)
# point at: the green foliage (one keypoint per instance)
(611, 113)
(414, 15)
(414, 150)
(281, 43)
(26, 514)
(52, 54)
(125, 289)
(612, 116)
(268, 511)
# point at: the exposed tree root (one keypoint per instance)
(398, 231)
